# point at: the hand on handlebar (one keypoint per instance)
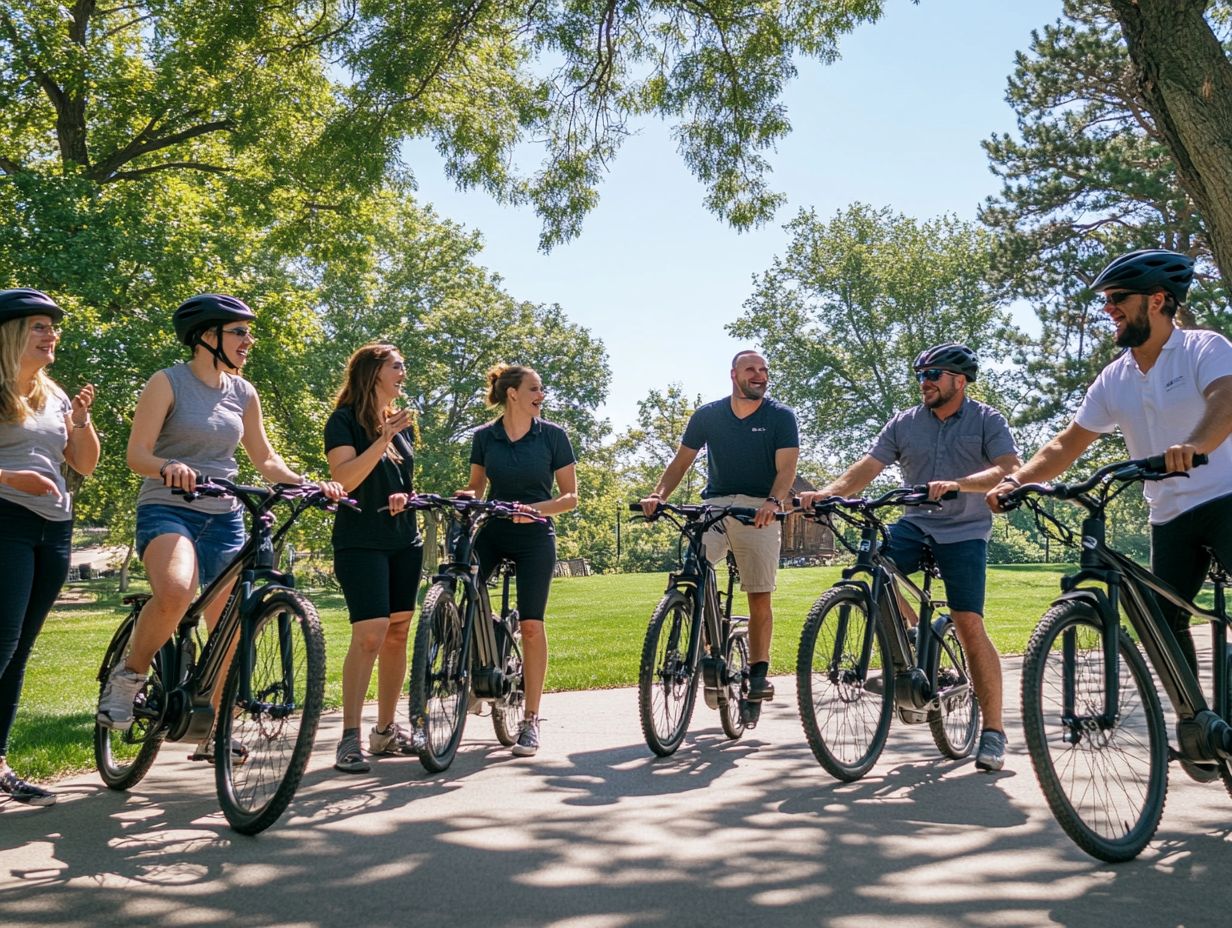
(943, 489)
(995, 498)
(331, 489)
(650, 506)
(1179, 459)
(767, 514)
(532, 514)
(398, 501)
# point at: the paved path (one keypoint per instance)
(597, 833)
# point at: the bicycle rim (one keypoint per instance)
(957, 724)
(737, 687)
(263, 740)
(510, 709)
(1106, 787)
(438, 685)
(667, 685)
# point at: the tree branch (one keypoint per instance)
(107, 168)
(165, 166)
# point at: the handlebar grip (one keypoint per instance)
(1156, 463)
(1200, 459)
(635, 507)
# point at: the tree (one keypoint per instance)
(844, 313)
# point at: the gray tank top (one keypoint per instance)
(203, 429)
(37, 444)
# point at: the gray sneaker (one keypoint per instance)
(17, 789)
(115, 705)
(349, 758)
(528, 737)
(991, 755)
(393, 740)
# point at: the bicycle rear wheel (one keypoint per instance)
(1106, 786)
(736, 657)
(439, 685)
(510, 709)
(667, 685)
(845, 721)
(266, 726)
(957, 724)
(123, 758)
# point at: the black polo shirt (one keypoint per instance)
(740, 452)
(521, 471)
(372, 528)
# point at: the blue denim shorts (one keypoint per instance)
(217, 536)
(963, 564)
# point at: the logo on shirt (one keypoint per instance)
(1174, 382)
(757, 429)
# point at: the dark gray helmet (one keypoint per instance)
(18, 304)
(1147, 270)
(206, 309)
(949, 357)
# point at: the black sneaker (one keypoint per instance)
(19, 790)
(875, 684)
(1200, 772)
(760, 690)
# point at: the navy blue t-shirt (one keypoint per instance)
(521, 471)
(740, 452)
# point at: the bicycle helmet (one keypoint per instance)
(950, 356)
(1147, 270)
(204, 310)
(18, 304)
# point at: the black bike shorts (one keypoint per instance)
(378, 583)
(532, 548)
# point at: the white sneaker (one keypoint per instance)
(528, 737)
(115, 705)
(393, 740)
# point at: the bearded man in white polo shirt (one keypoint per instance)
(1169, 394)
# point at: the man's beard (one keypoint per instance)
(1135, 333)
(752, 393)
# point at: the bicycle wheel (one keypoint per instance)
(438, 684)
(265, 729)
(510, 709)
(846, 723)
(1106, 787)
(1225, 766)
(957, 724)
(666, 684)
(124, 757)
(736, 657)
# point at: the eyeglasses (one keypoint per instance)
(932, 375)
(41, 328)
(1116, 299)
(241, 332)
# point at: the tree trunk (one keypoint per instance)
(1185, 79)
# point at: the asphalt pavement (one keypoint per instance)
(596, 832)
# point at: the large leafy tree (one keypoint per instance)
(843, 313)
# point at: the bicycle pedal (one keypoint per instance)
(199, 755)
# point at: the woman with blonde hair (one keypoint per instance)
(40, 430)
(378, 556)
(521, 456)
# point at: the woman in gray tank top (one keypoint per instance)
(189, 420)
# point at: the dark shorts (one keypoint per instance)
(216, 536)
(963, 564)
(532, 548)
(376, 583)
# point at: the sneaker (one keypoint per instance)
(760, 690)
(349, 758)
(991, 755)
(1200, 772)
(393, 740)
(528, 737)
(115, 705)
(19, 790)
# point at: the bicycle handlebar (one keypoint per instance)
(698, 512)
(1150, 468)
(899, 496)
(262, 498)
(501, 509)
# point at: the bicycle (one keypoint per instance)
(273, 687)
(859, 660)
(692, 629)
(1092, 717)
(462, 650)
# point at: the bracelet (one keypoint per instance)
(83, 425)
(1010, 478)
(774, 499)
(658, 496)
(162, 471)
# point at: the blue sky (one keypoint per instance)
(897, 122)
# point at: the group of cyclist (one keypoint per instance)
(1170, 393)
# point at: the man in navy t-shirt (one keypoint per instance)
(752, 446)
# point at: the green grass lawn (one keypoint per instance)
(595, 627)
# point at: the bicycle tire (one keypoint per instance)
(956, 725)
(439, 683)
(1225, 766)
(1106, 788)
(666, 685)
(845, 723)
(275, 728)
(736, 660)
(123, 758)
(509, 711)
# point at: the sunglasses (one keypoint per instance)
(41, 328)
(932, 375)
(241, 332)
(1116, 299)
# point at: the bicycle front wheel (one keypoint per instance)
(957, 723)
(666, 684)
(844, 704)
(439, 684)
(123, 758)
(1106, 784)
(270, 710)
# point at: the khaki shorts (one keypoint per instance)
(756, 549)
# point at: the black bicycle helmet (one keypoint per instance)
(206, 309)
(18, 304)
(949, 357)
(1147, 270)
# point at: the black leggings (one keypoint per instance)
(532, 548)
(34, 555)
(1179, 558)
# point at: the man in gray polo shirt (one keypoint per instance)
(952, 443)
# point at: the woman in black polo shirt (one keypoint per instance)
(521, 456)
(369, 444)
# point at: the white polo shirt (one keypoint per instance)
(1161, 408)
